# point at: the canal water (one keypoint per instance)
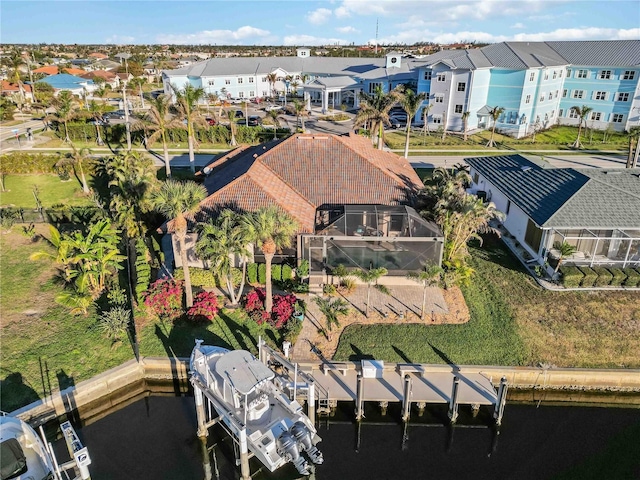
(155, 438)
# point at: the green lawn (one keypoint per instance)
(51, 190)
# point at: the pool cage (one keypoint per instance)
(372, 236)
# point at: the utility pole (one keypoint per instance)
(126, 115)
(33, 93)
(376, 51)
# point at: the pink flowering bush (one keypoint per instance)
(205, 307)
(283, 308)
(164, 298)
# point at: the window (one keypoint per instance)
(550, 95)
(241, 95)
(564, 93)
(461, 86)
(560, 74)
(227, 81)
(605, 75)
(596, 116)
(553, 112)
(546, 75)
(441, 77)
(250, 79)
(527, 99)
(373, 86)
(264, 93)
(600, 96)
(617, 118)
(629, 75)
(577, 94)
(252, 93)
(561, 113)
(573, 114)
(458, 109)
(555, 74)
(212, 82)
(582, 74)
(239, 79)
(427, 75)
(264, 79)
(439, 99)
(437, 119)
(532, 77)
(623, 97)
(542, 98)
(568, 73)
(476, 178)
(533, 236)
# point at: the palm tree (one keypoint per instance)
(410, 102)
(425, 119)
(301, 112)
(64, 104)
(374, 109)
(274, 115)
(582, 113)
(272, 78)
(15, 61)
(76, 158)
(233, 126)
(269, 229)
(175, 200)
(465, 123)
(429, 276)
(97, 111)
(370, 277)
(632, 159)
(331, 309)
(219, 242)
(187, 105)
(494, 113)
(565, 249)
(158, 121)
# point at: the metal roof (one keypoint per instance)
(601, 52)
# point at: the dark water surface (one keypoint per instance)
(155, 438)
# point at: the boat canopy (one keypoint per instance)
(242, 371)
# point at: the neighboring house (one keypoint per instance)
(596, 210)
(352, 202)
(76, 85)
(55, 70)
(106, 64)
(9, 89)
(98, 56)
(109, 78)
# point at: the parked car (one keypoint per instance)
(237, 100)
(211, 121)
(270, 107)
(254, 121)
(119, 114)
(239, 114)
(398, 120)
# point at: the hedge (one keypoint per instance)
(202, 277)
(589, 278)
(604, 276)
(252, 273)
(23, 162)
(571, 276)
(633, 277)
(618, 277)
(262, 273)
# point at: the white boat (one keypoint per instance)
(25, 456)
(246, 396)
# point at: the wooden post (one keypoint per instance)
(201, 416)
(311, 402)
(406, 399)
(453, 402)
(206, 463)
(500, 403)
(360, 397)
(244, 455)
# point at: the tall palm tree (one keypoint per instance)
(374, 109)
(582, 113)
(332, 309)
(429, 276)
(632, 158)
(465, 123)
(15, 61)
(410, 102)
(370, 277)
(301, 111)
(233, 126)
(76, 158)
(64, 105)
(269, 229)
(272, 78)
(158, 121)
(494, 113)
(97, 110)
(425, 119)
(187, 105)
(175, 200)
(219, 242)
(274, 115)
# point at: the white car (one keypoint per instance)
(268, 108)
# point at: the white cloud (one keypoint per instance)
(341, 12)
(319, 16)
(517, 26)
(347, 29)
(120, 40)
(311, 40)
(242, 36)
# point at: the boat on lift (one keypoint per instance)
(247, 397)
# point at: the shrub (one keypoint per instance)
(347, 286)
(117, 297)
(205, 307)
(114, 323)
(23, 162)
(294, 286)
(618, 277)
(287, 272)
(164, 298)
(262, 273)
(276, 272)
(302, 270)
(604, 276)
(571, 276)
(252, 273)
(200, 277)
(633, 277)
(282, 311)
(292, 329)
(329, 289)
(142, 268)
(283, 308)
(589, 278)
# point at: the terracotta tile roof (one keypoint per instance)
(108, 76)
(9, 87)
(98, 55)
(305, 171)
(54, 70)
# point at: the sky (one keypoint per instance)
(309, 23)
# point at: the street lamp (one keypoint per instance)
(126, 115)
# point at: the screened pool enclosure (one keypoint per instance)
(372, 236)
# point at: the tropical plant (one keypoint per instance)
(301, 111)
(565, 249)
(494, 113)
(581, 113)
(114, 323)
(370, 277)
(425, 118)
(231, 115)
(446, 193)
(97, 111)
(64, 106)
(221, 240)
(634, 151)
(187, 100)
(205, 307)
(175, 200)
(332, 309)
(465, 123)
(164, 298)
(411, 103)
(429, 276)
(274, 116)
(272, 78)
(269, 229)
(374, 110)
(76, 158)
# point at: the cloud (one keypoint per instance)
(311, 40)
(242, 36)
(341, 12)
(517, 26)
(347, 29)
(120, 40)
(319, 16)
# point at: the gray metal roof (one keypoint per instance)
(602, 52)
(566, 197)
(335, 82)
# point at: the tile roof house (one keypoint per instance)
(109, 77)
(318, 180)
(9, 88)
(55, 70)
(596, 210)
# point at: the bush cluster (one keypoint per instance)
(164, 298)
(24, 162)
(589, 278)
(599, 276)
(205, 307)
(281, 313)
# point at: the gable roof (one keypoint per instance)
(305, 171)
(566, 197)
(54, 70)
(8, 87)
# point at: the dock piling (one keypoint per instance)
(500, 403)
(406, 399)
(311, 402)
(360, 397)
(453, 402)
(201, 415)
(244, 455)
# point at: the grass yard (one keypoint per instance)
(51, 191)
(513, 322)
